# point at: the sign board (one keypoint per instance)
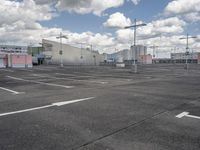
(60, 52)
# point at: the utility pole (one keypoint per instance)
(187, 48)
(61, 50)
(135, 26)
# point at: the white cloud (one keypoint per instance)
(183, 6)
(192, 17)
(44, 2)
(21, 24)
(19, 21)
(88, 6)
(169, 26)
(11, 11)
(91, 38)
(96, 7)
(172, 25)
(187, 9)
(117, 20)
(135, 1)
(125, 36)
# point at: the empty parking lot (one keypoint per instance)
(100, 108)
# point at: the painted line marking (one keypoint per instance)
(103, 75)
(47, 106)
(186, 114)
(7, 70)
(72, 101)
(43, 83)
(72, 75)
(26, 70)
(38, 75)
(68, 78)
(43, 69)
(14, 92)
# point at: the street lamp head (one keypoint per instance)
(194, 37)
(189, 37)
(64, 36)
(127, 27)
(143, 24)
(133, 26)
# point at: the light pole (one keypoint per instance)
(81, 57)
(187, 47)
(82, 43)
(94, 56)
(154, 51)
(135, 26)
(61, 50)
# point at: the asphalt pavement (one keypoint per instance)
(100, 108)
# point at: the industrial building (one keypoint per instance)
(13, 49)
(136, 53)
(14, 57)
(179, 58)
(182, 57)
(70, 55)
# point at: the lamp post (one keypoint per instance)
(154, 51)
(61, 50)
(187, 47)
(135, 26)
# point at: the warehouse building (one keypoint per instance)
(70, 55)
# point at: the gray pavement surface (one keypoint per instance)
(127, 112)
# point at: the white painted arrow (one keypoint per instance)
(47, 106)
(186, 114)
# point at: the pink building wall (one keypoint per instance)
(21, 61)
(145, 59)
(16, 60)
(28, 59)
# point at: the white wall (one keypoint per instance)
(72, 55)
(138, 51)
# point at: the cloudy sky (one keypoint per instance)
(101, 22)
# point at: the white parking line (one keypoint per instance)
(14, 92)
(43, 83)
(186, 114)
(72, 101)
(43, 69)
(38, 75)
(7, 70)
(47, 106)
(26, 70)
(69, 78)
(72, 75)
